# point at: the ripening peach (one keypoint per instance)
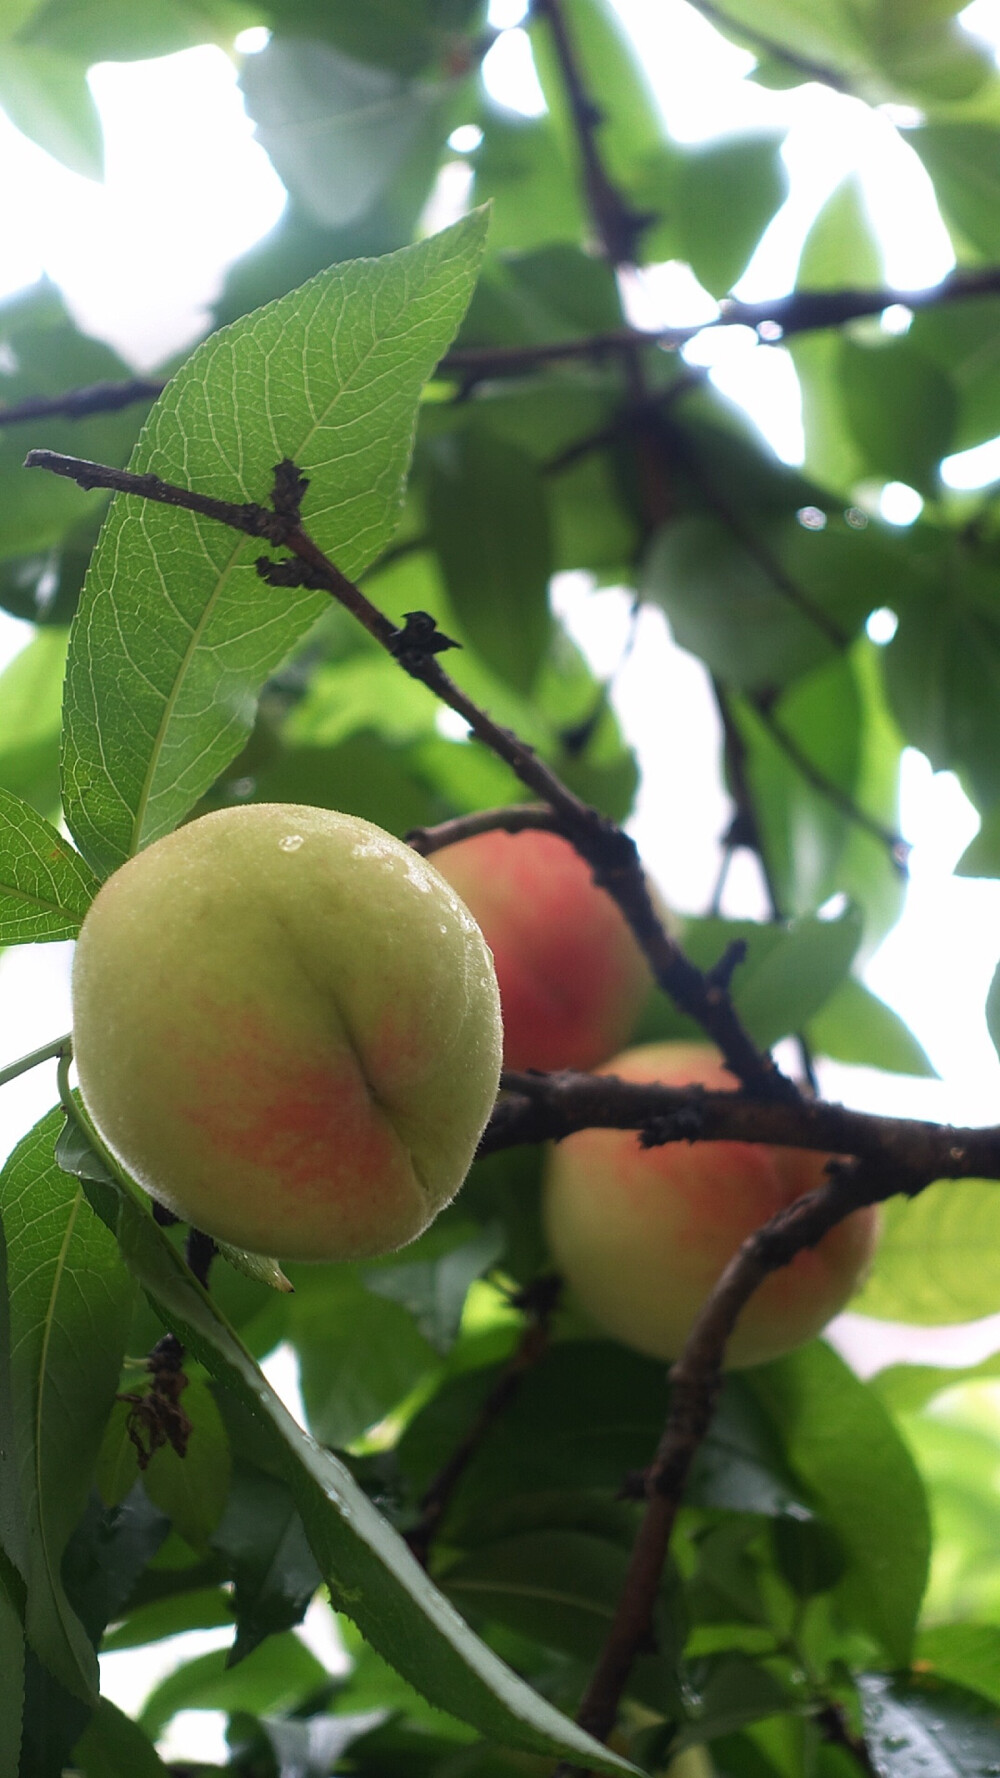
(572, 977)
(287, 1029)
(642, 1235)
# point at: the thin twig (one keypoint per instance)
(49, 1052)
(617, 225)
(517, 818)
(538, 1302)
(80, 404)
(898, 849)
(611, 854)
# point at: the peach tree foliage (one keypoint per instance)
(806, 1622)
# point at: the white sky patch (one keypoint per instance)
(899, 504)
(973, 469)
(509, 74)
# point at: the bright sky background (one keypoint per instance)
(140, 258)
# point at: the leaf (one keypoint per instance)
(963, 159)
(841, 1442)
(314, 1748)
(490, 527)
(434, 1290)
(993, 1010)
(339, 130)
(369, 1570)
(30, 720)
(256, 1266)
(264, 1544)
(192, 1489)
(274, 1677)
(712, 203)
(163, 675)
(726, 605)
(71, 1303)
(46, 96)
(12, 1668)
(789, 972)
(901, 409)
(45, 887)
(938, 1256)
(966, 1654)
(113, 1746)
(920, 1727)
(855, 1026)
(359, 1355)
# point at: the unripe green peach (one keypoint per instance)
(572, 977)
(287, 1029)
(642, 1235)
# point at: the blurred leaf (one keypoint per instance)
(197, 1608)
(45, 887)
(359, 1355)
(741, 1467)
(921, 1726)
(44, 354)
(174, 681)
(112, 30)
(434, 1290)
(273, 1677)
(966, 1654)
(855, 1026)
(943, 676)
(964, 339)
(192, 1489)
(713, 202)
(840, 1440)
(728, 1691)
(963, 159)
(901, 409)
(262, 1539)
(107, 1552)
(45, 94)
(729, 603)
(70, 1308)
(938, 1255)
(809, 1555)
(842, 247)
(338, 130)
(313, 1749)
(12, 1667)
(368, 1568)
(490, 527)
(381, 32)
(526, 171)
(113, 1746)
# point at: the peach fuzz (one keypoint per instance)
(287, 1030)
(572, 977)
(642, 1235)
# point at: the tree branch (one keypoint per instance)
(894, 843)
(548, 1107)
(79, 404)
(539, 1302)
(611, 854)
(518, 818)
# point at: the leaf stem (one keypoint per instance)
(49, 1052)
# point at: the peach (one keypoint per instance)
(287, 1030)
(572, 977)
(642, 1235)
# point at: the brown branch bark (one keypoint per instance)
(79, 404)
(548, 1107)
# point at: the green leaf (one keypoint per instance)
(964, 339)
(359, 1355)
(45, 887)
(855, 1026)
(842, 246)
(920, 1726)
(369, 1570)
(943, 676)
(993, 1010)
(70, 1307)
(274, 1677)
(490, 526)
(339, 130)
(901, 409)
(966, 1654)
(434, 1290)
(382, 32)
(201, 1608)
(715, 199)
(729, 602)
(192, 1489)
(262, 1539)
(162, 678)
(45, 94)
(113, 1746)
(12, 1668)
(938, 1256)
(525, 171)
(963, 159)
(842, 1443)
(256, 1266)
(30, 720)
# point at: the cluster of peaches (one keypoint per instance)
(289, 1029)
